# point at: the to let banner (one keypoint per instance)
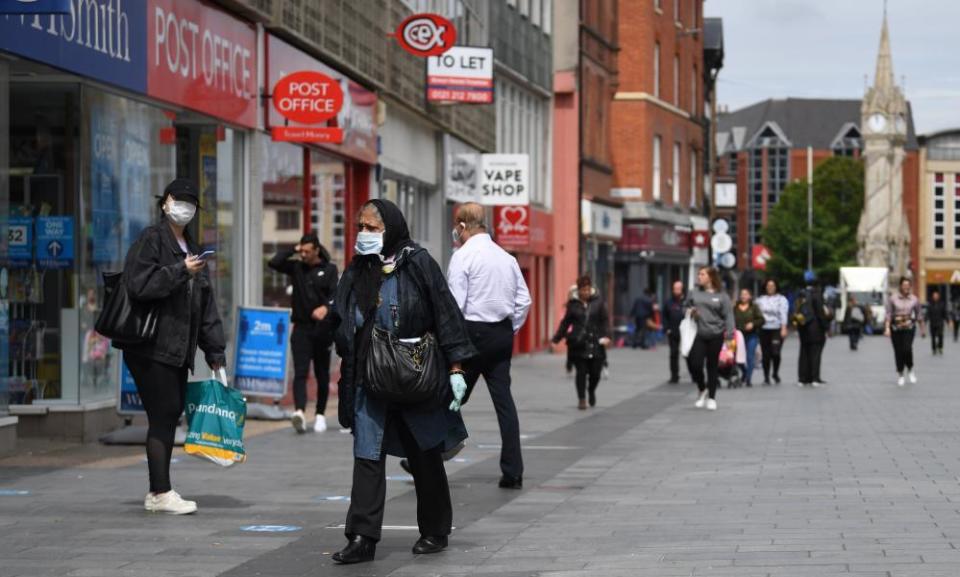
(461, 74)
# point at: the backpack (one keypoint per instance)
(804, 314)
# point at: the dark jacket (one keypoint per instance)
(937, 314)
(813, 330)
(751, 315)
(155, 273)
(583, 326)
(673, 313)
(642, 308)
(426, 305)
(851, 324)
(313, 286)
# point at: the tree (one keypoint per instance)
(837, 204)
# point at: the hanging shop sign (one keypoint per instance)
(661, 238)
(760, 256)
(462, 74)
(426, 34)
(601, 221)
(36, 7)
(512, 225)
(202, 58)
(700, 239)
(308, 97)
(504, 179)
(355, 117)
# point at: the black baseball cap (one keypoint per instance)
(183, 189)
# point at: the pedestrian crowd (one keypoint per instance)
(414, 342)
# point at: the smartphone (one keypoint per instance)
(206, 254)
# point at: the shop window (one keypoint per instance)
(413, 199)
(282, 190)
(328, 197)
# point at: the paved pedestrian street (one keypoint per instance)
(858, 477)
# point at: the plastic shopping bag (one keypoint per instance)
(688, 333)
(216, 414)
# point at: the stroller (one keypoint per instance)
(728, 366)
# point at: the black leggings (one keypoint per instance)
(588, 369)
(770, 345)
(306, 347)
(705, 349)
(903, 349)
(162, 390)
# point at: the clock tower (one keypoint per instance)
(884, 234)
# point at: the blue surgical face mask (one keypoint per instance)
(369, 243)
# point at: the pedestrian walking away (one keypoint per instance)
(955, 319)
(489, 288)
(314, 280)
(641, 312)
(586, 328)
(903, 315)
(775, 309)
(812, 321)
(713, 312)
(393, 290)
(936, 319)
(673, 312)
(854, 319)
(162, 268)
(749, 320)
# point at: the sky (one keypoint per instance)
(825, 48)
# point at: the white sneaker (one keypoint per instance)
(711, 405)
(299, 421)
(320, 425)
(913, 377)
(701, 400)
(170, 502)
(901, 381)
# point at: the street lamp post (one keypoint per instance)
(810, 208)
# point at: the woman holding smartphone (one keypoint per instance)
(164, 268)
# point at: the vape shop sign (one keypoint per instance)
(504, 179)
(461, 74)
(308, 97)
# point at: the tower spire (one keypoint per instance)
(883, 78)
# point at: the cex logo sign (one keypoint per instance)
(426, 35)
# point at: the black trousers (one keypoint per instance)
(770, 344)
(369, 492)
(674, 339)
(162, 390)
(588, 370)
(808, 369)
(307, 347)
(956, 330)
(936, 337)
(705, 350)
(903, 348)
(854, 334)
(494, 342)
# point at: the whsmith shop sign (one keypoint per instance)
(186, 52)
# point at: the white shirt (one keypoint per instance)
(487, 283)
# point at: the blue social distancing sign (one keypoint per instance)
(262, 337)
(54, 241)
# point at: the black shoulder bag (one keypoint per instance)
(122, 319)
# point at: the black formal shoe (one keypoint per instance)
(674, 380)
(428, 545)
(593, 399)
(511, 482)
(405, 465)
(359, 549)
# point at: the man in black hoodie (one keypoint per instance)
(937, 318)
(673, 312)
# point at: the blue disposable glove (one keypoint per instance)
(459, 387)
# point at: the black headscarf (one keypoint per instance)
(367, 268)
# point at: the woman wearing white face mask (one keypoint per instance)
(162, 268)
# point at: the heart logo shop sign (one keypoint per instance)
(504, 179)
(308, 97)
(512, 224)
(426, 35)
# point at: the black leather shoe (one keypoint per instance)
(428, 545)
(359, 549)
(405, 465)
(511, 482)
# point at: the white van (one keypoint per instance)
(870, 285)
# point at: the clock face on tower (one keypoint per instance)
(877, 122)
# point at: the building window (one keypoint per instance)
(693, 92)
(676, 173)
(732, 163)
(694, 181)
(939, 211)
(535, 12)
(676, 11)
(547, 24)
(658, 4)
(956, 211)
(777, 173)
(524, 7)
(849, 145)
(676, 80)
(288, 219)
(656, 70)
(656, 167)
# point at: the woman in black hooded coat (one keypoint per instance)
(397, 286)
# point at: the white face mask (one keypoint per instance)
(180, 212)
(369, 242)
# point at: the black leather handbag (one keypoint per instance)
(122, 319)
(399, 372)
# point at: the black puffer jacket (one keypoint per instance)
(583, 326)
(155, 272)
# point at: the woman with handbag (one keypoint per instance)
(162, 271)
(749, 320)
(585, 326)
(711, 309)
(395, 312)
